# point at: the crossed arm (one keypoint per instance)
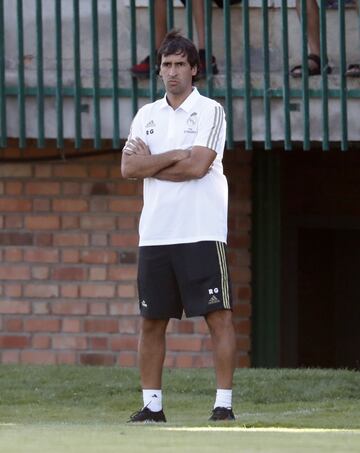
(175, 165)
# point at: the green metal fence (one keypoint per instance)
(230, 94)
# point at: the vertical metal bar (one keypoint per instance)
(77, 73)
(286, 83)
(324, 77)
(59, 80)
(208, 48)
(115, 75)
(152, 51)
(189, 19)
(305, 77)
(3, 128)
(96, 75)
(228, 76)
(267, 99)
(247, 75)
(133, 36)
(40, 75)
(170, 14)
(343, 84)
(21, 76)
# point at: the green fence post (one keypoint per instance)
(286, 83)
(40, 74)
(324, 77)
(115, 75)
(153, 72)
(189, 19)
(228, 75)
(3, 127)
(77, 74)
(170, 14)
(267, 94)
(96, 75)
(21, 75)
(133, 35)
(208, 47)
(343, 84)
(305, 77)
(59, 80)
(247, 75)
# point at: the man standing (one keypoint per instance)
(176, 145)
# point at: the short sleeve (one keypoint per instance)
(136, 129)
(212, 128)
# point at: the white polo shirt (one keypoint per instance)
(189, 211)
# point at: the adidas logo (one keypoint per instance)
(213, 300)
(150, 124)
(143, 304)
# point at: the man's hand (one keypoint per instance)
(136, 146)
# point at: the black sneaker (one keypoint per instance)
(145, 415)
(222, 413)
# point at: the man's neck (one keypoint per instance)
(175, 101)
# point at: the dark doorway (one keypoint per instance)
(320, 260)
(328, 298)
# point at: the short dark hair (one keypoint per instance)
(174, 44)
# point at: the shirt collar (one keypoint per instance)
(187, 104)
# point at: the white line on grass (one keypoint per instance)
(265, 430)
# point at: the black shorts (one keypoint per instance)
(191, 277)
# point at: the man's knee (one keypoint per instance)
(153, 327)
(219, 321)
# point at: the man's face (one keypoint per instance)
(177, 74)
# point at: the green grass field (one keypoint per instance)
(84, 409)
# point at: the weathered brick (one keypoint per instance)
(98, 309)
(15, 170)
(101, 325)
(69, 342)
(14, 341)
(41, 290)
(41, 255)
(10, 357)
(97, 273)
(70, 325)
(41, 342)
(97, 291)
(98, 343)
(124, 343)
(99, 240)
(13, 255)
(41, 222)
(38, 357)
(184, 343)
(40, 272)
(99, 257)
(40, 308)
(71, 188)
(13, 290)
(42, 324)
(97, 359)
(47, 188)
(99, 223)
(127, 359)
(125, 205)
(70, 222)
(124, 308)
(100, 189)
(70, 205)
(15, 205)
(13, 188)
(71, 239)
(43, 240)
(122, 273)
(16, 239)
(65, 358)
(69, 171)
(127, 222)
(70, 256)
(129, 325)
(14, 272)
(69, 308)
(184, 361)
(124, 240)
(43, 170)
(69, 273)
(69, 291)
(40, 205)
(14, 222)
(126, 291)
(97, 171)
(13, 325)
(127, 188)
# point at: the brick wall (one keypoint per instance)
(68, 254)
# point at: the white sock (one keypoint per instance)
(223, 398)
(152, 399)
